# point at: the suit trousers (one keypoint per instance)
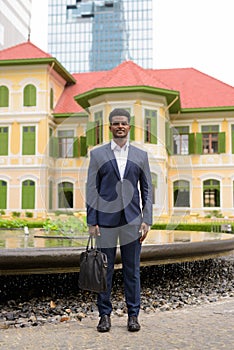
(130, 247)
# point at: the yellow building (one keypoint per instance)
(50, 119)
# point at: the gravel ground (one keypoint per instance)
(30, 301)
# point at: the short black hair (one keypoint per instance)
(119, 112)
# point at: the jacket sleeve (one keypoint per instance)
(146, 192)
(91, 192)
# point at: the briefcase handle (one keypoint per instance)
(90, 243)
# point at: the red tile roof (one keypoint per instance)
(196, 89)
(126, 74)
(26, 50)
(129, 73)
(84, 82)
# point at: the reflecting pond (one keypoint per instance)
(36, 238)
(11, 239)
(170, 236)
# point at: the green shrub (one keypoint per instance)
(28, 214)
(16, 214)
(50, 225)
(215, 214)
(19, 223)
(16, 223)
(202, 227)
(63, 212)
(71, 225)
(35, 224)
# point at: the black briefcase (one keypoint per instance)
(93, 269)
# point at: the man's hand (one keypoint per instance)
(144, 230)
(94, 231)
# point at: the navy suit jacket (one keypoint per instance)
(108, 196)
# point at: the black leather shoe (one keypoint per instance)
(133, 324)
(104, 324)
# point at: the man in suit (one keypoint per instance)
(119, 211)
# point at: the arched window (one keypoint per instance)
(28, 194)
(30, 95)
(65, 195)
(4, 96)
(3, 194)
(211, 193)
(181, 193)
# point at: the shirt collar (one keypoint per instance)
(115, 147)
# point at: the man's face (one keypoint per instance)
(119, 127)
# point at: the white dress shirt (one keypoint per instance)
(121, 156)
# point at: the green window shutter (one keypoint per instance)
(75, 147)
(3, 194)
(28, 194)
(51, 148)
(50, 195)
(3, 141)
(221, 142)
(83, 146)
(29, 138)
(4, 96)
(198, 143)
(101, 130)
(30, 95)
(132, 130)
(191, 143)
(169, 138)
(50, 142)
(154, 178)
(55, 147)
(90, 134)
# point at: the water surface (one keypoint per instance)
(11, 239)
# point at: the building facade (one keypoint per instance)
(51, 119)
(14, 22)
(98, 35)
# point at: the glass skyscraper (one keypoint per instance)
(98, 35)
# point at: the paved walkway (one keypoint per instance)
(210, 326)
